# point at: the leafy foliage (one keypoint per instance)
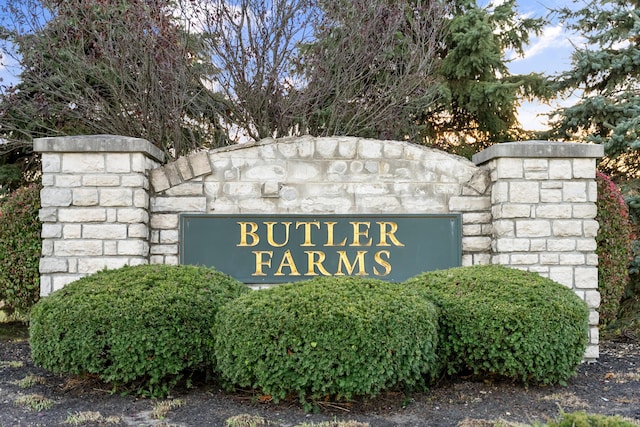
(121, 67)
(253, 47)
(481, 96)
(425, 71)
(632, 197)
(500, 321)
(607, 71)
(582, 419)
(138, 327)
(20, 246)
(614, 241)
(332, 336)
(372, 69)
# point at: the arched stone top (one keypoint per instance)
(336, 174)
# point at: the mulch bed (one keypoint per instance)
(609, 386)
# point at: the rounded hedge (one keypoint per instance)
(500, 321)
(141, 327)
(20, 246)
(329, 336)
(614, 249)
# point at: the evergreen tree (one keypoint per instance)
(481, 96)
(607, 71)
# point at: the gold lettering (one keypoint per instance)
(330, 237)
(287, 261)
(312, 263)
(344, 259)
(391, 234)
(248, 229)
(383, 263)
(270, 239)
(260, 262)
(357, 233)
(307, 231)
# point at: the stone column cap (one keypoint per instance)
(97, 144)
(539, 149)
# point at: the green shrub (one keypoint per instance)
(20, 247)
(500, 321)
(581, 419)
(628, 316)
(331, 336)
(614, 241)
(138, 327)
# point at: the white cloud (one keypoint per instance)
(9, 70)
(549, 53)
(551, 37)
(535, 115)
(193, 14)
(532, 116)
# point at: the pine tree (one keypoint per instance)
(481, 97)
(607, 71)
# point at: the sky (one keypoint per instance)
(550, 53)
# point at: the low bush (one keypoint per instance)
(500, 321)
(581, 419)
(331, 336)
(20, 247)
(139, 328)
(614, 249)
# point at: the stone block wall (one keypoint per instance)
(309, 175)
(543, 205)
(95, 202)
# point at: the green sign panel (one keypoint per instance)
(285, 248)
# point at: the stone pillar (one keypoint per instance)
(95, 205)
(543, 203)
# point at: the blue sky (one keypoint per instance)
(549, 53)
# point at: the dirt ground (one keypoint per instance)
(30, 396)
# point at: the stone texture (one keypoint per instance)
(83, 247)
(118, 162)
(182, 164)
(116, 197)
(551, 212)
(85, 197)
(199, 163)
(101, 180)
(533, 228)
(584, 168)
(53, 265)
(51, 231)
(554, 211)
(83, 162)
(50, 196)
(82, 215)
(159, 180)
(104, 231)
(179, 204)
(51, 163)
